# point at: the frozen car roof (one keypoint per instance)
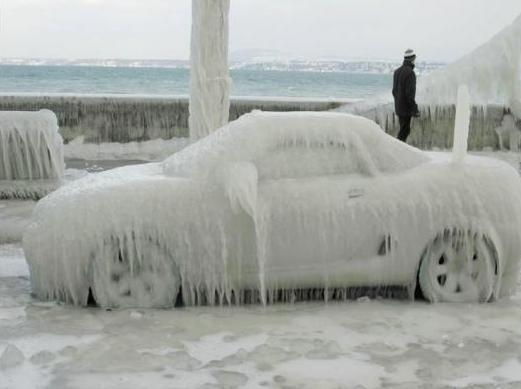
(258, 135)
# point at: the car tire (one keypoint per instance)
(134, 272)
(459, 266)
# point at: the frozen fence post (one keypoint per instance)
(462, 124)
(31, 154)
(209, 75)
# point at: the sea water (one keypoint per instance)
(16, 79)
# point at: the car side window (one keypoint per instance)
(299, 158)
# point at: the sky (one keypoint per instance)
(441, 30)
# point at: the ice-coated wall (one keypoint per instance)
(126, 119)
(209, 74)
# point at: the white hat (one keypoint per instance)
(409, 53)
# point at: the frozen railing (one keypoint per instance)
(31, 154)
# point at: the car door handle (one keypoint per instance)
(356, 192)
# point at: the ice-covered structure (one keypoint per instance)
(492, 72)
(31, 154)
(273, 206)
(209, 75)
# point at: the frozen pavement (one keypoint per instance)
(14, 218)
(355, 344)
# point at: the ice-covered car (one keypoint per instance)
(276, 204)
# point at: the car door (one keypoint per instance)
(318, 216)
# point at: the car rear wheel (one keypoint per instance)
(134, 272)
(459, 266)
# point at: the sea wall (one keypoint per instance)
(491, 127)
(126, 119)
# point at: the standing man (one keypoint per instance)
(404, 92)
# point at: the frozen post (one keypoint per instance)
(462, 124)
(31, 154)
(209, 76)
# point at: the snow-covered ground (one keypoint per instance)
(354, 344)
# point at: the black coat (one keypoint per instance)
(404, 90)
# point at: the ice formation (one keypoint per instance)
(492, 72)
(31, 153)
(11, 357)
(271, 207)
(508, 131)
(461, 127)
(209, 75)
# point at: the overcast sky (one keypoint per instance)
(344, 29)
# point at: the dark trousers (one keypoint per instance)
(405, 128)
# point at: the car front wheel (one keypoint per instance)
(459, 266)
(134, 272)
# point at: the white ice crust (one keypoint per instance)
(492, 72)
(31, 153)
(271, 201)
(209, 75)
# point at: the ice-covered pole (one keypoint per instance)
(209, 75)
(462, 124)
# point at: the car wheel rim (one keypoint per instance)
(460, 268)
